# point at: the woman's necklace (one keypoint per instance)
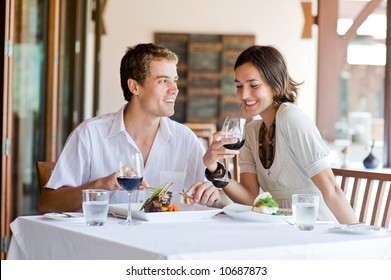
(266, 152)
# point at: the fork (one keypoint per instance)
(165, 190)
(62, 213)
(182, 193)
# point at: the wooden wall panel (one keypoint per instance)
(206, 77)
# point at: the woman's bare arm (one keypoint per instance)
(334, 197)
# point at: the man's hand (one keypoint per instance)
(204, 193)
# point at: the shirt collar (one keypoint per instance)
(118, 126)
(118, 123)
(165, 130)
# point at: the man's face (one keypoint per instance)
(158, 94)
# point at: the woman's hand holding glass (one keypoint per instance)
(225, 145)
(217, 151)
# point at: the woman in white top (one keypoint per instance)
(284, 152)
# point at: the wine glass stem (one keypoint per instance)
(129, 218)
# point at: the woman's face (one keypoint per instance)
(256, 95)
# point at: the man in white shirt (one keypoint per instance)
(171, 151)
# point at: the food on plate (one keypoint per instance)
(159, 201)
(265, 204)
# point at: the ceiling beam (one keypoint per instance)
(352, 31)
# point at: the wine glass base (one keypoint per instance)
(220, 183)
(222, 180)
(129, 223)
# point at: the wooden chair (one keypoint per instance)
(369, 193)
(203, 131)
(236, 171)
(44, 170)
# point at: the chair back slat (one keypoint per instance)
(369, 194)
(344, 183)
(366, 200)
(380, 194)
(355, 192)
(387, 210)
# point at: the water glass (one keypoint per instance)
(95, 206)
(305, 209)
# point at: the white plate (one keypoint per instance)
(244, 213)
(187, 212)
(364, 229)
(59, 216)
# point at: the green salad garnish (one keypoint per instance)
(269, 201)
(154, 194)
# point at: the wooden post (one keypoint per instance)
(327, 111)
(387, 93)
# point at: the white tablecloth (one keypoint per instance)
(221, 237)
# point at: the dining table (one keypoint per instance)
(218, 237)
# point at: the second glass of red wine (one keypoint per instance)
(129, 176)
(233, 128)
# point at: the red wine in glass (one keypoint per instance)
(129, 177)
(227, 177)
(129, 183)
(235, 146)
(232, 128)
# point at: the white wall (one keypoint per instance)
(277, 22)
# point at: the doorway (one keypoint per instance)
(46, 91)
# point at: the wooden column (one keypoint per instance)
(328, 68)
(52, 80)
(387, 93)
(7, 8)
